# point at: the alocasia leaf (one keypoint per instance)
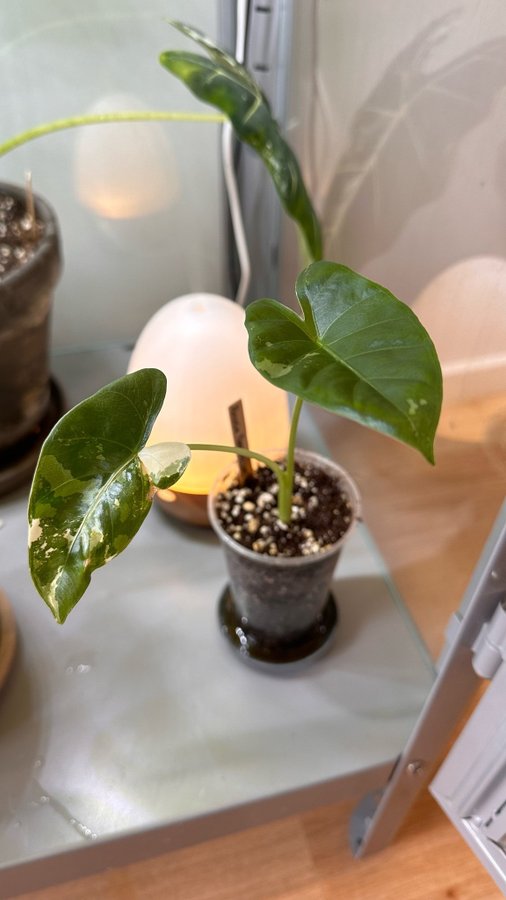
(91, 491)
(356, 350)
(221, 81)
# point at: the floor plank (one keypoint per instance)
(302, 858)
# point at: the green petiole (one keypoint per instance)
(284, 476)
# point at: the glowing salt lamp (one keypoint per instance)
(199, 341)
(464, 311)
(125, 170)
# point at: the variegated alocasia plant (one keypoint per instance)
(355, 350)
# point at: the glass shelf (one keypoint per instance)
(135, 723)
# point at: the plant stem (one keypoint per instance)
(241, 451)
(286, 483)
(284, 476)
(104, 118)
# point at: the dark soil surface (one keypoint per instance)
(321, 513)
(19, 235)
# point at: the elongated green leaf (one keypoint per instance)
(223, 83)
(356, 350)
(90, 491)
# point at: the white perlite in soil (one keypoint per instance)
(18, 234)
(321, 513)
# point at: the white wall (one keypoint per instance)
(122, 260)
(398, 112)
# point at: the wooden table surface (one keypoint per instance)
(430, 524)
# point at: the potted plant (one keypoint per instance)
(354, 350)
(231, 88)
(30, 264)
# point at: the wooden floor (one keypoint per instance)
(430, 525)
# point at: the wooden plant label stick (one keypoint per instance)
(238, 424)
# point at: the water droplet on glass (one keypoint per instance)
(83, 830)
(81, 669)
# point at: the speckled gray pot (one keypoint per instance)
(26, 297)
(280, 610)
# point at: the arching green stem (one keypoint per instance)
(104, 118)
(241, 451)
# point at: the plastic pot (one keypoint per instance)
(280, 610)
(26, 295)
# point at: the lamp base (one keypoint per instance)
(189, 508)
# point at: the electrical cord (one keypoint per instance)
(227, 158)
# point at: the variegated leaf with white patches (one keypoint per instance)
(90, 492)
(165, 463)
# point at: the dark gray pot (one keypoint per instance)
(280, 610)
(26, 296)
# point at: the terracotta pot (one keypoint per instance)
(26, 295)
(280, 609)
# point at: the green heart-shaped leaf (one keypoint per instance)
(224, 83)
(357, 351)
(91, 492)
